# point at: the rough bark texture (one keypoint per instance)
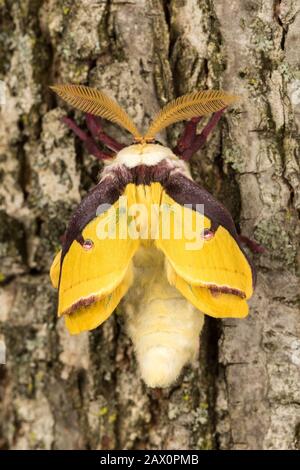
(85, 392)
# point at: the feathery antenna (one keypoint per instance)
(95, 102)
(195, 104)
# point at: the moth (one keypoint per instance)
(149, 234)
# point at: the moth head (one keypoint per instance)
(195, 104)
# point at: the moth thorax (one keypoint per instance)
(144, 154)
(163, 326)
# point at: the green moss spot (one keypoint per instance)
(205, 443)
(112, 418)
(203, 406)
(103, 411)
(32, 439)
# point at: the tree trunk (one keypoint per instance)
(62, 392)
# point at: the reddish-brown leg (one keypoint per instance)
(193, 142)
(251, 244)
(188, 136)
(95, 128)
(88, 141)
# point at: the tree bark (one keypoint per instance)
(62, 392)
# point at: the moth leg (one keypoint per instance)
(188, 136)
(88, 141)
(251, 244)
(199, 140)
(95, 128)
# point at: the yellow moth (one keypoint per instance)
(148, 234)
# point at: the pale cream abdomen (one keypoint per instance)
(163, 326)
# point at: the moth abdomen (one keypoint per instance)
(164, 344)
(163, 326)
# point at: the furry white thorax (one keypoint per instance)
(144, 154)
(163, 325)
